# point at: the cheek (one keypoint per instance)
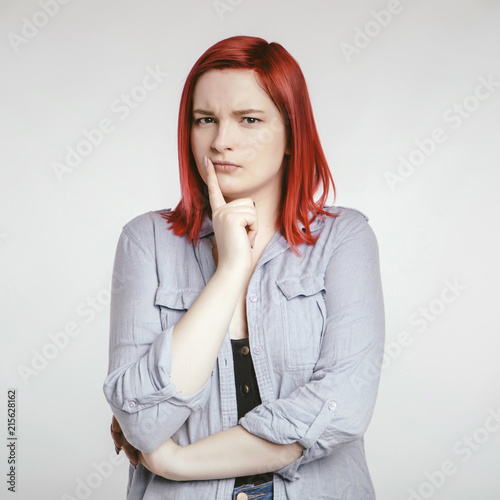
(274, 149)
(198, 156)
(195, 141)
(197, 148)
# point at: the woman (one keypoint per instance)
(247, 324)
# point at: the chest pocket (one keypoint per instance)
(173, 304)
(303, 312)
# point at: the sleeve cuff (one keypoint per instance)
(257, 422)
(147, 383)
(194, 401)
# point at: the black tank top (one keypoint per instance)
(247, 396)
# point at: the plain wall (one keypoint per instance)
(407, 106)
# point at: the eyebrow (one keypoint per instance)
(238, 112)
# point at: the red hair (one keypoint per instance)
(306, 169)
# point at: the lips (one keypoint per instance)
(225, 165)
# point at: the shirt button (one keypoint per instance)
(245, 350)
(245, 389)
(332, 405)
(132, 404)
(257, 349)
(242, 496)
(253, 297)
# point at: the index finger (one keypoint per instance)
(214, 193)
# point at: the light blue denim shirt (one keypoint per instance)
(316, 333)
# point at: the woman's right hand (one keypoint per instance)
(235, 226)
(122, 444)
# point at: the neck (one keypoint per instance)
(267, 217)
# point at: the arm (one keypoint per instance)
(230, 453)
(155, 377)
(336, 405)
(138, 389)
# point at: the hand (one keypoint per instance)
(121, 443)
(235, 225)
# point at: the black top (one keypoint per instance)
(247, 396)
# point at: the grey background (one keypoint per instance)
(58, 233)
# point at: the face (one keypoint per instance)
(235, 122)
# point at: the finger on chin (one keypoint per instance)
(214, 193)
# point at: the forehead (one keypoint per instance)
(229, 87)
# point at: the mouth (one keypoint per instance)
(225, 166)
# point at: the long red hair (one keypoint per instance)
(306, 169)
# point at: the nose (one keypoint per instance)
(224, 137)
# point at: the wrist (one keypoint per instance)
(176, 463)
(181, 467)
(235, 274)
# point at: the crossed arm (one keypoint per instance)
(353, 338)
(230, 453)
(233, 452)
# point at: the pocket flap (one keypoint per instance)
(301, 285)
(174, 298)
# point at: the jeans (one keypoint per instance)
(249, 491)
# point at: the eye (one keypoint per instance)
(201, 121)
(251, 120)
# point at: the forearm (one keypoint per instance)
(204, 326)
(232, 453)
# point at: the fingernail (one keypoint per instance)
(205, 161)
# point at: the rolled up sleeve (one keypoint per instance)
(137, 387)
(335, 406)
